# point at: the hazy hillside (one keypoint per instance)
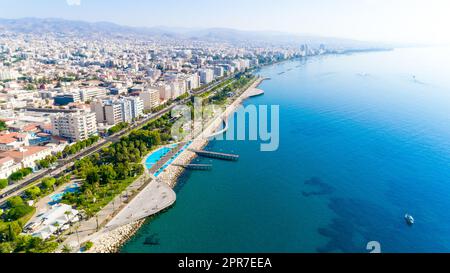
(67, 27)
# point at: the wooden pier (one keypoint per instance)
(197, 167)
(222, 156)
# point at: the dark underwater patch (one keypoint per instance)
(152, 240)
(321, 188)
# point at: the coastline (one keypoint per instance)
(112, 241)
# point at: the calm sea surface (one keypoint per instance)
(364, 139)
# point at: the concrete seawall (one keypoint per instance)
(114, 236)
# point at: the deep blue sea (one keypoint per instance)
(364, 139)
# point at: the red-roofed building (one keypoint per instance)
(24, 157)
(13, 140)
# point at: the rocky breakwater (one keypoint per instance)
(111, 241)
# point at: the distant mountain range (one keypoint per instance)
(86, 29)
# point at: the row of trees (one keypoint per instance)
(241, 81)
(47, 185)
(20, 174)
(80, 145)
(3, 183)
(216, 88)
(47, 162)
(114, 168)
(117, 128)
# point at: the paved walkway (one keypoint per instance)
(85, 230)
(156, 197)
(152, 194)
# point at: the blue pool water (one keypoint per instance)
(56, 198)
(362, 142)
(154, 157)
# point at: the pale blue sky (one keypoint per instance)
(374, 20)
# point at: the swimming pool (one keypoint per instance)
(158, 154)
(56, 198)
(153, 158)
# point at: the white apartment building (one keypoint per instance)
(107, 111)
(193, 81)
(74, 126)
(206, 76)
(136, 107)
(178, 88)
(88, 94)
(114, 111)
(165, 91)
(241, 64)
(150, 98)
(219, 71)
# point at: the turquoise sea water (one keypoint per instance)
(365, 138)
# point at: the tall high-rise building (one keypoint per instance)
(74, 126)
(193, 81)
(115, 111)
(150, 98)
(136, 107)
(206, 76)
(218, 71)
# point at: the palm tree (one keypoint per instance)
(66, 249)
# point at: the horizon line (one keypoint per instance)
(199, 28)
(353, 39)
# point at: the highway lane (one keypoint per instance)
(66, 164)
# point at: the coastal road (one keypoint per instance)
(206, 89)
(65, 164)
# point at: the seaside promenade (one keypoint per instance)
(89, 229)
(154, 198)
(157, 194)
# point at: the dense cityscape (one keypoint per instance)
(222, 136)
(64, 98)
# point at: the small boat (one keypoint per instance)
(409, 219)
